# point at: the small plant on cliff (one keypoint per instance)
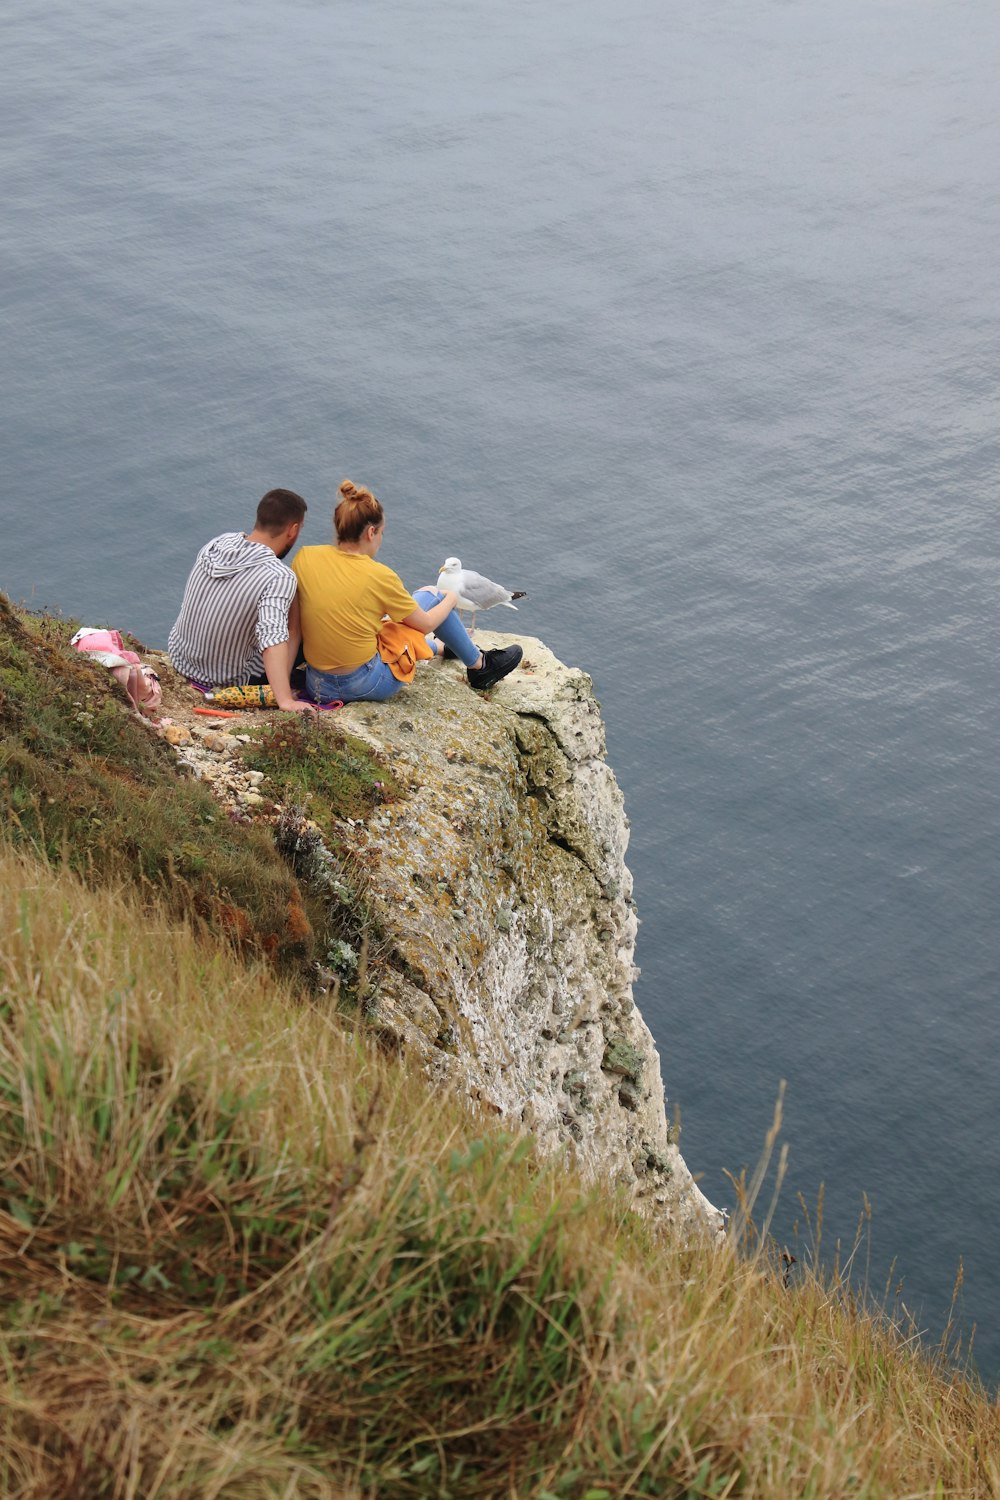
(320, 768)
(335, 888)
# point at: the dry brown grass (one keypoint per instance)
(245, 1254)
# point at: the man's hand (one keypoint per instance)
(277, 665)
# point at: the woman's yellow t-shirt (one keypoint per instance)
(344, 597)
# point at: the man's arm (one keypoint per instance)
(279, 660)
(294, 630)
(276, 671)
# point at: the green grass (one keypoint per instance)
(323, 775)
(320, 769)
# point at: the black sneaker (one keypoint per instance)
(496, 664)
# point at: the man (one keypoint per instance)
(239, 622)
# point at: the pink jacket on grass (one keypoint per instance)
(106, 646)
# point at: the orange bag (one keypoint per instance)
(401, 647)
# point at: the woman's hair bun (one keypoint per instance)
(358, 508)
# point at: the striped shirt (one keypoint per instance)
(235, 606)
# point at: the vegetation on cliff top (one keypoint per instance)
(245, 1254)
(329, 778)
(85, 782)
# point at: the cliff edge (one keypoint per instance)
(499, 883)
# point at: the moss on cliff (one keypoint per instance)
(329, 775)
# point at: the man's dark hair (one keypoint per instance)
(278, 509)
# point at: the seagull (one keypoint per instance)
(474, 591)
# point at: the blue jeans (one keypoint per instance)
(451, 632)
(373, 682)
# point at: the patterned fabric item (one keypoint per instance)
(243, 697)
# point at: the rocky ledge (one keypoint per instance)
(500, 883)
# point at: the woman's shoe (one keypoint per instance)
(496, 665)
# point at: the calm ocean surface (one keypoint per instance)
(686, 319)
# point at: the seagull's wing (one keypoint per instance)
(480, 591)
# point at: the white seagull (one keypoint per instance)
(474, 591)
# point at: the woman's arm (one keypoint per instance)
(426, 620)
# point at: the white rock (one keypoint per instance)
(538, 996)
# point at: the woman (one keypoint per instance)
(344, 596)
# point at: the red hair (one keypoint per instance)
(358, 509)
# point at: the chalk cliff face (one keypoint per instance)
(501, 883)
(508, 931)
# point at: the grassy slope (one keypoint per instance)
(87, 784)
(245, 1254)
(84, 782)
